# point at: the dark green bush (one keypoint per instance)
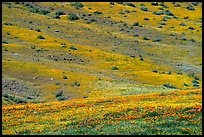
(112, 3)
(127, 11)
(182, 24)
(61, 98)
(97, 12)
(155, 70)
(73, 48)
(114, 68)
(143, 9)
(194, 81)
(185, 84)
(40, 37)
(142, 4)
(146, 18)
(190, 27)
(145, 38)
(59, 93)
(5, 95)
(135, 24)
(189, 7)
(166, 17)
(8, 23)
(56, 16)
(155, 4)
(73, 17)
(162, 23)
(59, 12)
(157, 13)
(75, 83)
(168, 85)
(169, 13)
(191, 74)
(77, 5)
(169, 72)
(39, 10)
(19, 100)
(196, 78)
(156, 39)
(121, 12)
(177, 5)
(130, 4)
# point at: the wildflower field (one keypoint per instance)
(101, 68)
(178, 112)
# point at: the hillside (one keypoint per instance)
(92, 51)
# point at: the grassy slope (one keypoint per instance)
(99, 47)
(176, 112)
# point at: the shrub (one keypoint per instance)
(5, 95)
(196, 78)
(121, 12)
(73, 17)
(19, 100)
(61, 98)
(97, 12)
(44, 11)
(168, 85)
(73, 48)
(154, 3)
(192, 40)
(56, 16)
(141, 59)
(182, 24)
(154, 70)
(127, 11)
(189, 7)
(40, 37)
(143, 9)
(185, 84)
(186, 17)
(156, 40)
(177, 5)
(145, 38)
(169, 72)
(114, 68)
(39, 10)
(162, 23)
(64, 77)
(157, 13)
(142, 4)
(194, 81)
(8, 23)
(58, 94)
(112, 3)
(190, 27)
(75, 83)
(130, 4)
(77, 5)
(169, 13)
(135, 24)
(166, 17)
(59, 12)
(146, 18)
